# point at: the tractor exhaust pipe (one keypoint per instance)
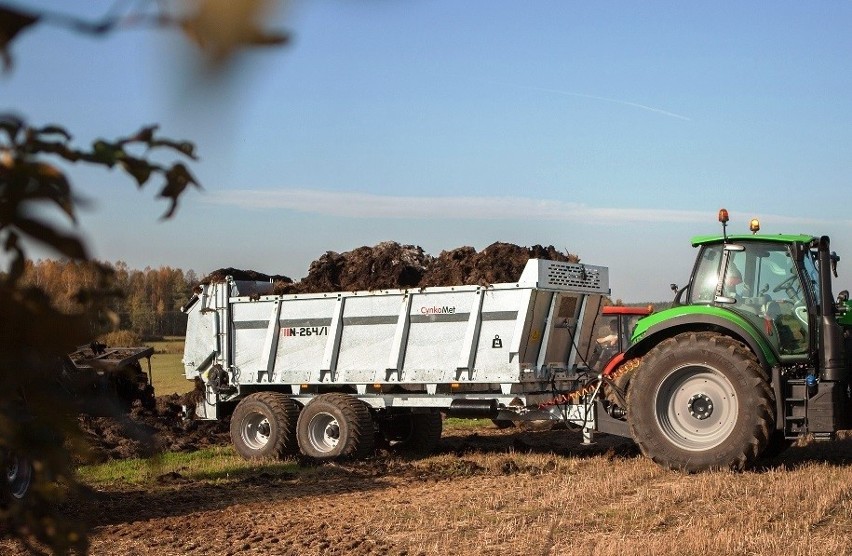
(831, 335)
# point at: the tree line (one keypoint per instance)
(144, 302)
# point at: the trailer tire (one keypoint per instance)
(18, 477)
(263, 426)
(701, 401)
(414, 434)
(336, 426)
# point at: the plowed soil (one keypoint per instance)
(143, 431)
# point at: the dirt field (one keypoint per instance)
(518, 491)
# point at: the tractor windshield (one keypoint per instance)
(761, 282)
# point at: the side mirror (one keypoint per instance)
(842, 307)
(678, 294)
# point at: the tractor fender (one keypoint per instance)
(739, 329)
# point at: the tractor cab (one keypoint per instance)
(770, 281)
(780, 285)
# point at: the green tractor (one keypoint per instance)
(752, 354)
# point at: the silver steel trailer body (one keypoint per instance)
(488, 349)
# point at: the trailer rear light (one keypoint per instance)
(454, 385)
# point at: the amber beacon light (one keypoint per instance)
(754, 225)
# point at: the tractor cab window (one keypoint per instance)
(764, 282)
(703, 286)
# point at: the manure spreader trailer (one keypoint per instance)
(753, 353)
(330, 373)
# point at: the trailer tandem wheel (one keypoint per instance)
(701, 401)
(336, 426)
(264, 426)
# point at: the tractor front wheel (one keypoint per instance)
(701, 401)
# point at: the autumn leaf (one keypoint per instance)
(183, 147)
(12, 125)
(178, 179)
(54, 130)
(144, 135)
(16, 268)
(140, 169)
(48, 183)
(65, 244)
(221, 27)
(12, 22)
(106, 153)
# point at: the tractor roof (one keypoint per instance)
(742, 238)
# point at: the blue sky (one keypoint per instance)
(613, 130)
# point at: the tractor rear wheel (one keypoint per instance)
(336, 426)
(264, 426)
(701, 401)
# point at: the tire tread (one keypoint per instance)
(753, 376)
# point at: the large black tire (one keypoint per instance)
(622, 382)
(336, 426)
(413, 434)
(18, 477)
(701, 401)
(263, 426)
(777, 445)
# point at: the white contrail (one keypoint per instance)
(343, 204)
(354, 204)
(606, 99)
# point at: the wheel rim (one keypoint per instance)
(324, 432)
(19, 475)
(256, 431)
(696, 407)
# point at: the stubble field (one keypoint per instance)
(527, 490)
